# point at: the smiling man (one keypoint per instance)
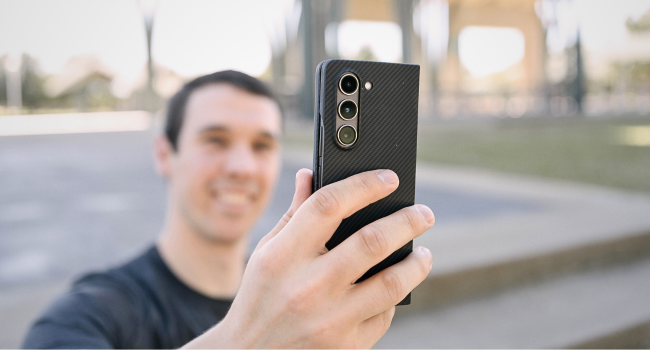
(221, 170)
(220, 156)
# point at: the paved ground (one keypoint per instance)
(79, 202)
(558, 313)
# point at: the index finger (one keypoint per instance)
(317, 218)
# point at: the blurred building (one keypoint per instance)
(494, 58)
(478, 57)
(85, 82)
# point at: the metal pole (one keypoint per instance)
(405, 15)
(150, 94)
(13, 66)
(149, 27)
(308, 86)
(335, 19)
(579, 84)
(148, 9)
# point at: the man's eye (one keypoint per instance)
(217, 140)
(262, 146)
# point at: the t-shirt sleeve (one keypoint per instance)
(89, 317)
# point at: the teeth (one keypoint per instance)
(233, 198)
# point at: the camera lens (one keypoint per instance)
(347, 135)
(349, 84)
(347, 109)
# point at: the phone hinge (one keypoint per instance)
(321, 144)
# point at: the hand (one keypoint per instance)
(296, 293)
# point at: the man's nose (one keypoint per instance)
(240, 160)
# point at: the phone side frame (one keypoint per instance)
(318, 131)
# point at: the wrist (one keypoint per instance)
(217, 337)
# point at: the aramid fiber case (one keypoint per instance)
(387, 139)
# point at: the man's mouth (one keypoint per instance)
(235, 198)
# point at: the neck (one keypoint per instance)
(211, 268)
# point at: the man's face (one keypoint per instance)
(227, 160)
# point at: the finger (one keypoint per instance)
(376, 241)
(390, 286)
(372, 329)
(323, 212)
(302, 192)
(300, 195)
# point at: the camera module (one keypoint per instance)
(348, 84)
(347, 109)
(346, 135)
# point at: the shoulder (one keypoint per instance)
(100, 310)
(128, 284)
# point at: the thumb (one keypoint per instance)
(302, 192)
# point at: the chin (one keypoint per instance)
(223, 237)
(229, 231)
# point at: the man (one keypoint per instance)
(220, 155)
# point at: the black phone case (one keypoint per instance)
(387, 139)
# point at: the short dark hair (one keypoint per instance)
(176, 105)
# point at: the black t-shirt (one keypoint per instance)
(138, 305)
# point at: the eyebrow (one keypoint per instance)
(221, 128)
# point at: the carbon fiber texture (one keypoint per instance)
(387, 139)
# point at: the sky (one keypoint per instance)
(54, 31)
(193, 37)
(603, 27)
(383, 38)
(486, 50)
(605, 36)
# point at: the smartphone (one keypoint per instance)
(366, 118)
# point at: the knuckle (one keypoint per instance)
(364, 183)
(392, 285)
(325, 328)
(268, 262)
(325, 331)
(386, 318)
(286, 217)
(413, 219)
(303, 298)
(325, 202)
(297, 302)
(372, 241)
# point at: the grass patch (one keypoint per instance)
(572, 149)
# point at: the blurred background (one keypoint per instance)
(534, 148)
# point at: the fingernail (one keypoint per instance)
(427, 253)
(303, 169)
(388, 176)
(427, 214)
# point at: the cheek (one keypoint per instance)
(269, 169)
(199, 168)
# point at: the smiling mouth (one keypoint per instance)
(235, 198)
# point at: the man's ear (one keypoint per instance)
(163, 154)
